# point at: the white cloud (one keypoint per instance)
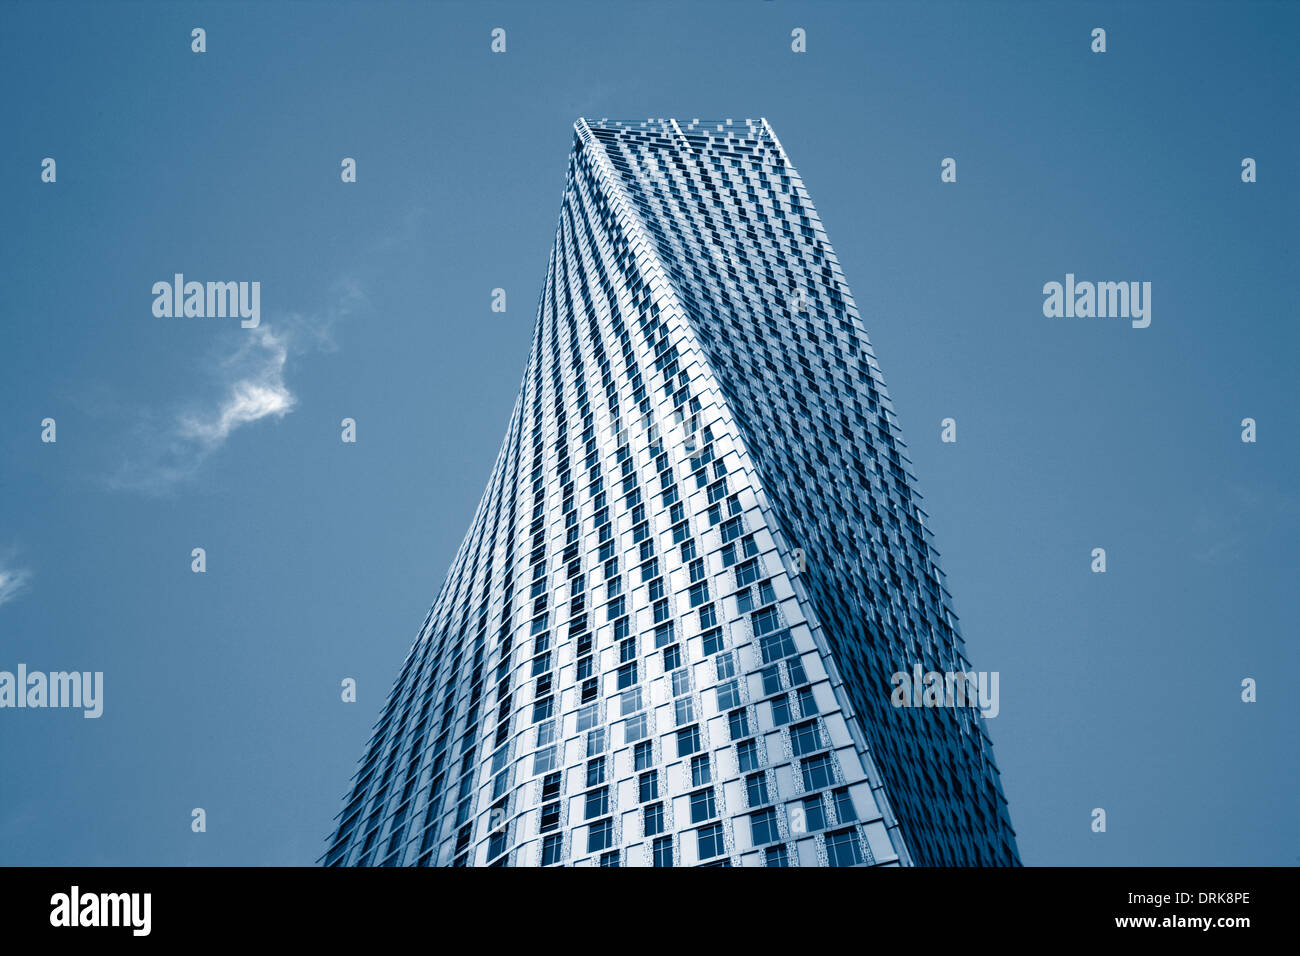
(256, 390)
(13, 582)
(250, 386)
(166, 448)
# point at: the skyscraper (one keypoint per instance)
(670, 633)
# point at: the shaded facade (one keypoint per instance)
(668, 636)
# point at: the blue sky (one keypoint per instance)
(1118, 691)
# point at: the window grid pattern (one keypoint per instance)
(626, 652)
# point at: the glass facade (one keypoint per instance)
(668, 636)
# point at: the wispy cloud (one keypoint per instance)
(1241, 520)
(255, 390)
(163, 449)
(249, 385)
(13, 581)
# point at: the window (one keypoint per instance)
(643, 755)
(630, 701)
(597, 803)
(725, 665)
(766, 621)
(804, 738)
(763, 827)
(738, 720)
(700, 771)
(688, 740)
(587, 717)
(543, 708)
(551, 849)
(781, 710)
(600, 835)
(703, 805)
(711, 842)
(842, 848)
(550, 816)
(746, 572)
(814, 814)
(708, 616)
(807, 702)
(663, 851)
(747, 756)
(728, 695)
(648, 786)
(551, 786)
(634, 728)
(776, 856)
(771, 679)
(595, 741)
(544, 760)
(817, 772)
(844, 809)
(609, 859)
(681, 681)
(672, 657)
(654, 819)
(699, 593)
(595, 771)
